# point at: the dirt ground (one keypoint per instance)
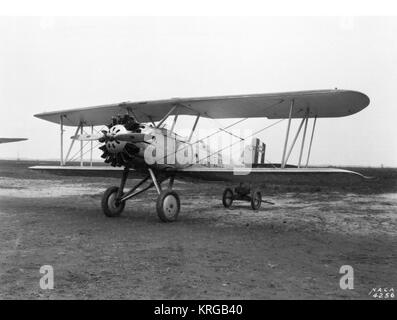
(291, 250)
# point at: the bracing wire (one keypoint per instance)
(219, 130)
(77, 154)
(232, 144)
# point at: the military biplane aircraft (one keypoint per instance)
(136, 140)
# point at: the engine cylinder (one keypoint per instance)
(120, 153)
(113, 145)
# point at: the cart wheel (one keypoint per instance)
(168, 206)
(111, 207)
(227, 198)
(256, 199)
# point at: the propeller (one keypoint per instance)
(105, 136)
(119, 140)
(88, 137)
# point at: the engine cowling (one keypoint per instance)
(115, 152)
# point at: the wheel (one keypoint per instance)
(168, 206)
(227, 198)
(256, 199)
(109, 206)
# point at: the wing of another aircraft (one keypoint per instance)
(319, 103)
(7, 140)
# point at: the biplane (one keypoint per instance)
(134, 139)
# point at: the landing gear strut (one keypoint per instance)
(167, 204)
(243, 193)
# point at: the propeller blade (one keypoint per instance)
(88, 137)
(133, 137)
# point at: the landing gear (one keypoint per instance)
(168, 203)
(243, 193)
(110, 205)
(168, 206)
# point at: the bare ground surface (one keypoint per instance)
(292, 249)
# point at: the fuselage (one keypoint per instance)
(167, 149)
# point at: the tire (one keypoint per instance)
(109, 206)
(168, 206)
(256, 199)
(227, 198)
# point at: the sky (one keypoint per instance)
(54, 63)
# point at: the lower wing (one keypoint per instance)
(263, 175)
(237, 174)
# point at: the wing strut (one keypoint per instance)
(311, 141)
(166, 116)
(194, 127)
(174, 123)
(293, 142)
(71, 145)
(81, 146)
(92, 145)
(287, 134)
(84, 148)
(303, 142)
(304, 121)
(61, 127)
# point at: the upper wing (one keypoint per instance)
(6, 140)
(320, 103)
